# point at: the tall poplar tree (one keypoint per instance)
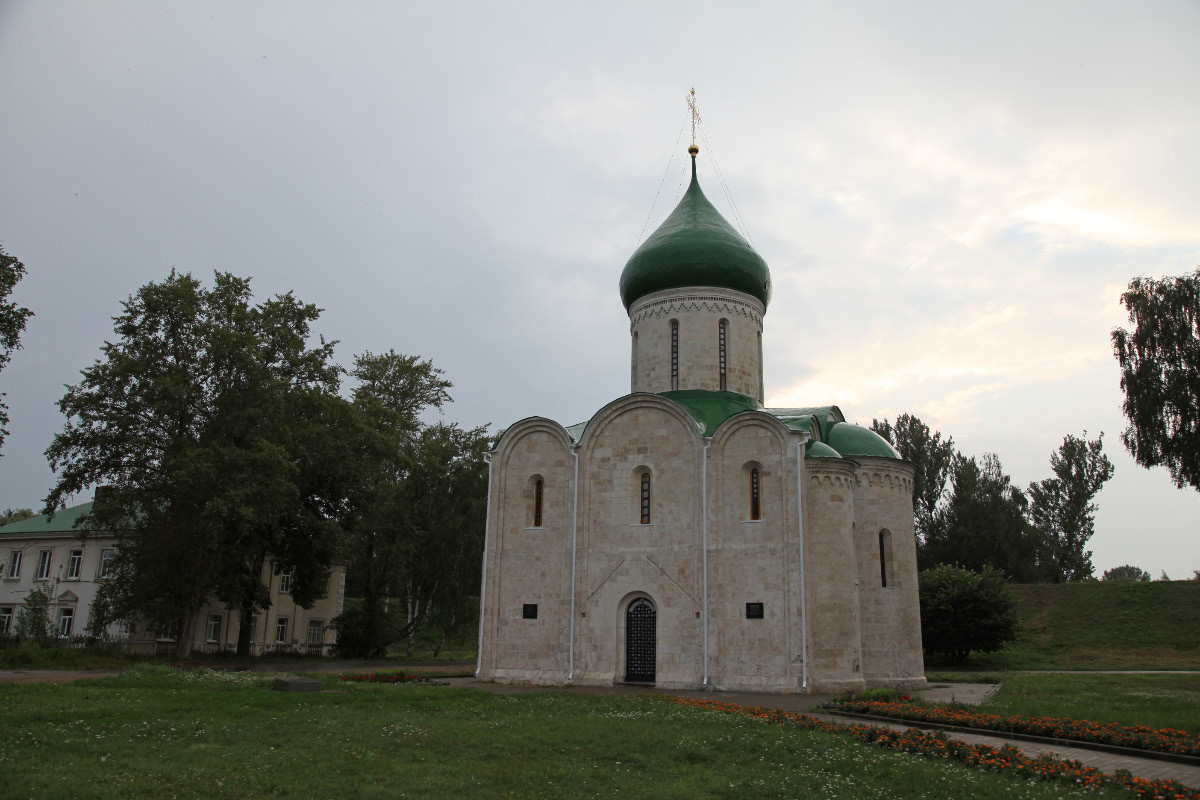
(206, 422)
(12, 322)
(1160, 374)
(1063, 507)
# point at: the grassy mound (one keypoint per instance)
(1103, 625)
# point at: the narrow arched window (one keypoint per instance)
(723, 358)
(885, 547)
(674, 355)
(755, 503)
(645, 516)
(537, 504)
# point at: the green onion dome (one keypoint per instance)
(855, 440)
(695, 246)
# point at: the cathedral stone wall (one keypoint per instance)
(835, 658)
(891, 615)
(622, 559)
(698, 312)
(753, 560)
(529, 564)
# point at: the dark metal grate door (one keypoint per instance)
(640, 623)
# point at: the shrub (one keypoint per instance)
(964, 612)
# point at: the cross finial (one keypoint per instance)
(691, 101)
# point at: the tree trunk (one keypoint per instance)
(185, 634)
(245, 630)
(437, 651)
(412, 629)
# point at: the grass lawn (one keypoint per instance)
(1160, 701)
(153, 732)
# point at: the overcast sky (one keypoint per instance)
(951, 198)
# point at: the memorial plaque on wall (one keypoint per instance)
(529, 611)
(754, 610)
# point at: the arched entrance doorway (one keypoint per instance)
(641, 622)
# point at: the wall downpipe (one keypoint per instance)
(574, 529)
(704, 544)
(487, 524)
(800, 528)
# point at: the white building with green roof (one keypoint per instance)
(687, 536)
(54, 555)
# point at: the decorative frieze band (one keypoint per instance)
(713, 303)
(896, 481)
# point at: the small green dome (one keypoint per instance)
(815, 449)
(695, 246)
(855, 440)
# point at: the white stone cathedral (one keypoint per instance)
(686, 536)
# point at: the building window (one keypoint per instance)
(316, 631)
(214, 628)
(281, 630)
(74, 564)
(14, 564)
(674, 355)
(66, 619)
(885, 557)
(537, 503)
(285, 582)
(724, 355)
(43, 570)
(645, 499)
(529, 611)
(6, 618)
(106, 557)
(254, 627)
(755, 504)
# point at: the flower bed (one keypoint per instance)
(1140, 737)
(1007, 759)
(381, 677)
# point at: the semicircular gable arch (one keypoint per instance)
(526, 427)
(606, 415)
(746, 419)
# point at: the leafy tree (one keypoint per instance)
(1125, 572)
(1063, 507)
(1163, 576)
(932, 457)
(208, 422)
(1160, 374)
(964, 612)
(416, 544)
(33, 618)
(12, 515)
(983, 524)
(12, 322)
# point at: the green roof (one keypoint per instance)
(798, 419)
(855, 440)
(815, 449)
(710, 409)
(695, 246)
(63, 521)
(832, 436)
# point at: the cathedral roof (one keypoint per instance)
(695, 246)
(832, 436)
